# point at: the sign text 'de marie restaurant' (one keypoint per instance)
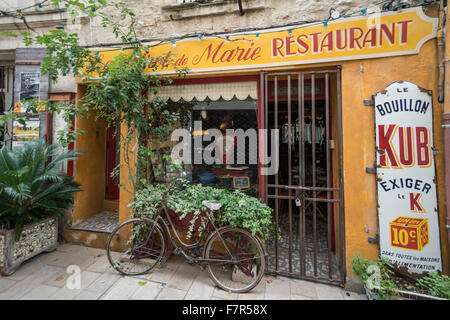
(406, 185)
(362, 37)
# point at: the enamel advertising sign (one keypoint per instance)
(406, 185)
(366, 36)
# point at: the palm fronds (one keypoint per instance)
(32, 186)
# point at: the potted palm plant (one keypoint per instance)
(33, 193)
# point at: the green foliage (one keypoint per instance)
(115, 89)
(377, 273)
(238, 209)
(64, 55)
(31, 187)
(437, 285)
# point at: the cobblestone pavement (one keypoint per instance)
(46, 277)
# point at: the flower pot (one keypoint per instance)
(35, 238)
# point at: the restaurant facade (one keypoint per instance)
(347, 127)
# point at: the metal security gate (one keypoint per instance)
(306, 189)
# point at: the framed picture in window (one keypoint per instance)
(241, 182)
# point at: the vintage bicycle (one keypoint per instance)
(234, 258)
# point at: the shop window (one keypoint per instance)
(226, 131)
(57, 124)
(6, 96)
(27, 129)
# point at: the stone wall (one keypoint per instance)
(167, 18)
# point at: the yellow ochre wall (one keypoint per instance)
(90, 166)
(361, 79)
(126, 190)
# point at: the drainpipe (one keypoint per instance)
(444, 69)
(441, 53)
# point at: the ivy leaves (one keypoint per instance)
(238, 209)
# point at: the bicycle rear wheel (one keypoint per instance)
(136, 246)
(240, 261)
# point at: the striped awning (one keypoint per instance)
(212, 91)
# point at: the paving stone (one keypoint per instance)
(277, 290)
(147, 291)
(59, 280)
(27, 268)
(69, 248)
(75, 248)
(257, 293)
(301, 289)
(354, 296)
(298, 297)
(45, 277)
(5, 283)
(329, 293)
(163, 274)
(184, 277)
(88, 295)
(202, 288)
(64, 293)
(100, 265)
(30, 282)
(42, 292)
(104, 282)
(171, 294)
(96, 252)
(122, 289)
(220, 293)
(77, 258)
(224, 295)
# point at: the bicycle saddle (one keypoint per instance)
(211, 204)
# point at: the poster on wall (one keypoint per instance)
(406, 185)
(25, 131)
(29, 89)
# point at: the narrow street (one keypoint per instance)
(45, 277)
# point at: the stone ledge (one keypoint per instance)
(192, 10)
(37, 20)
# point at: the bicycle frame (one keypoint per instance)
(168, 225)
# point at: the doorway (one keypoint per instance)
(301, 111)
(112, 160)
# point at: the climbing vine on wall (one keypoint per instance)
(117, 91)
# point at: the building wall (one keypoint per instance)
(90, 166)
(360, 79)
(166, 18)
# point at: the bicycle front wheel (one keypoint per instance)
(236, 259)
(136, 246)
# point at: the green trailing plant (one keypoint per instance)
(116, 90)
(437, 285)
(381, 277)
(238, 209)
(31, 184)
(376, 275)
